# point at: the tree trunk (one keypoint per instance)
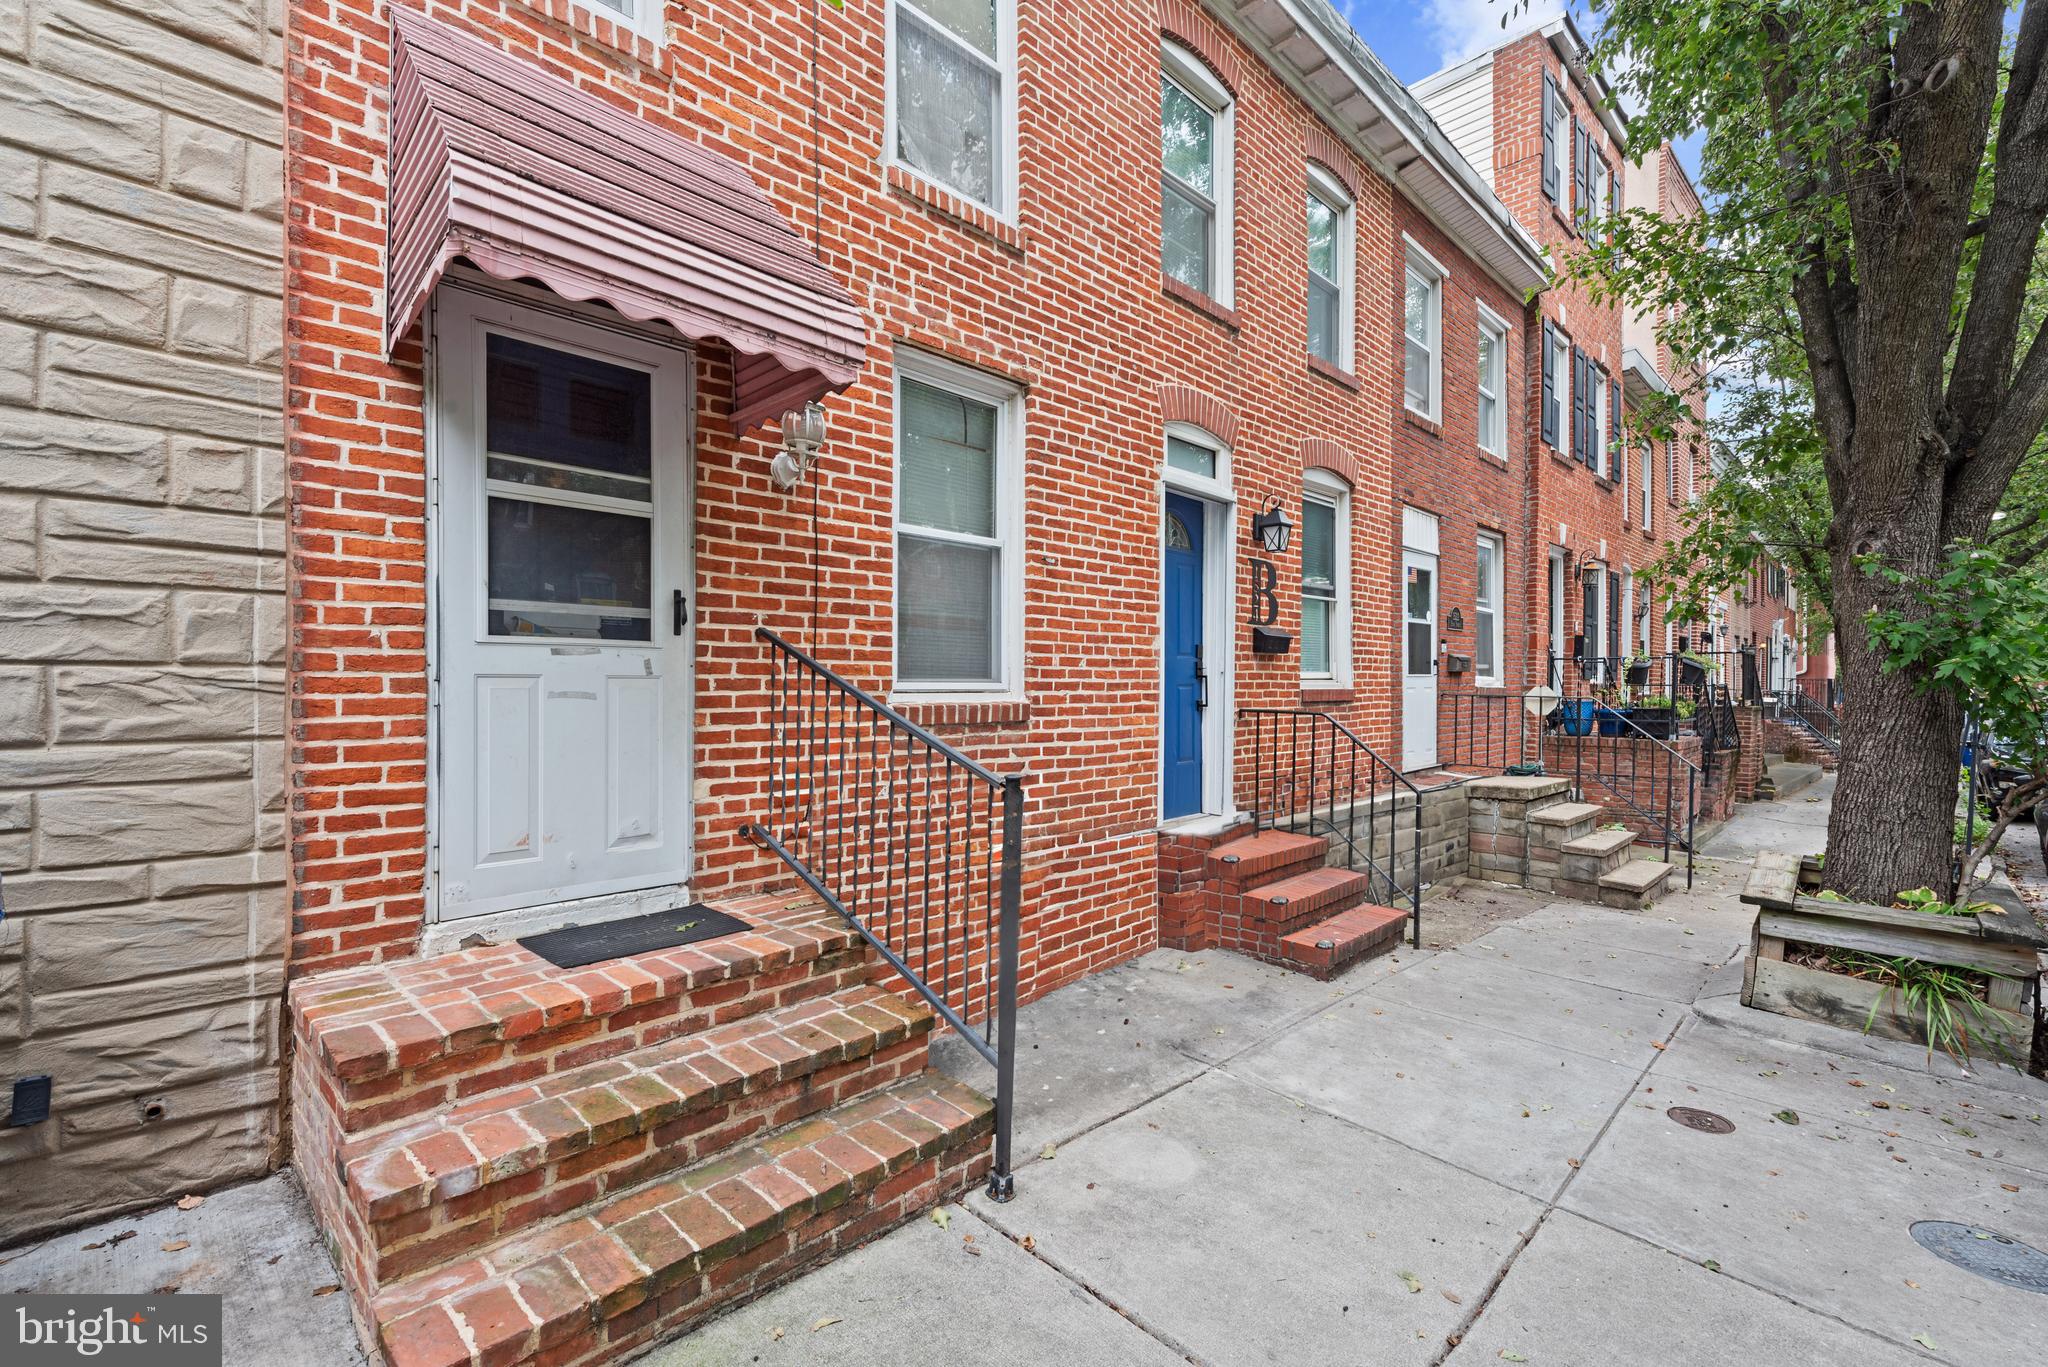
(1893, 823)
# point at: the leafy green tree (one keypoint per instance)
(1876, 179)
(1982, 635)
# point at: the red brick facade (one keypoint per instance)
(1066, 299)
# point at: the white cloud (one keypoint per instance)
(1466, 28)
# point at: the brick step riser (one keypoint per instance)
(601, 1286)
(1261, 938)
(1371, 947)
(452, 1228)
(365, 1104)
(1238, 879)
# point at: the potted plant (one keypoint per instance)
(1613, 721)
(1655, 715)
(1692, 670)
(1638, 667)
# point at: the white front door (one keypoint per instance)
(1418, 660)
(562, 623)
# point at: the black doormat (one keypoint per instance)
(575, 946)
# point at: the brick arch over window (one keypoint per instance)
(1318, 453)
(1181, 21)
(1325, 151)
(1178, 403)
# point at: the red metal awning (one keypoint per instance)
(498, 163)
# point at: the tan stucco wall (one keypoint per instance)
(141, 596)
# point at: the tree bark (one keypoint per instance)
(1892, 826)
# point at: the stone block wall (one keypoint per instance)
(1386, 826)
(141, 597)
(1499, 819)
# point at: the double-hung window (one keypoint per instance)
(1194, 195)
(1422, 319)
(958, 560)
(1486, 601)
(1329, 270)
(1325, 579)
(951, 105)
(1493, 386)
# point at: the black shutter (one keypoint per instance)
(1613, 194)
(1549, 383)
(1589, 619)
(1578, 406)
(1578, 204)
(1553, 183)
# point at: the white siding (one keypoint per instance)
(1462, 105)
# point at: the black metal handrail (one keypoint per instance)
(917, 846)
(1803, 703)
(1648, 788)
(1311, 773)
(1485, 731)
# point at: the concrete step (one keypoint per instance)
(383, 1045)
(1291, 901)
(1586, 858)
(1569, 815)
(599, 1285)
(1787, 778)
(1330, 946)
(1265, 856)
(430, 1193)
(1635, 884)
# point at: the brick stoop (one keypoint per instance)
(1327, 948)
(454, 1115)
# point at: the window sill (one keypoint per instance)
(1327, 695)
(1491, 458)
(932, 712)
(614, 30)
(1422, 424)
(1563, 459)
(1335, 374)
(963, 212)
(1200, 302)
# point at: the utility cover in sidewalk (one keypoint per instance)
(1706, 1122)
(575, 946)
(1985, 1252)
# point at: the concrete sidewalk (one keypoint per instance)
(1463, 1156)
(1455, 1154)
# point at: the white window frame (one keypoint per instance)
(1557, 593)
(1005, 67)
(1337, 198)
(1008, 542)
(1199, 83)
(1649, 490)
(1490, 587)
(1561, 387)
(1600, 181)
(1496, 327)
(1602, 399)
(648, 18)
(1422, 264)
(1321, 486)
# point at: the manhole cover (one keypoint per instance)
(1706, 1122)
(1985, 1252)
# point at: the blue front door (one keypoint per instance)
(1186, 693)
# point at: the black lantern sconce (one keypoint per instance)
(1272, 528)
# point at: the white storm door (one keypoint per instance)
(1418, 660)
(562, 610)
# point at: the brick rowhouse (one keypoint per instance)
(1064, 298)
(1586, 508)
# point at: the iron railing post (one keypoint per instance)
(1002, 1185)
(1415, 892)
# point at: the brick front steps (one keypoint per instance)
(1273, 895)
(484, 1123)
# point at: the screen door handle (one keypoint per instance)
(682, 612)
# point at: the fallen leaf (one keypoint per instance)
(1506, 1356)
(1926, 1342)
(191, 1202)
(1910, 1282)
(776, 1333)
(1857, 1082)
(1571, 1162)
(2008, 1186)
(1029, 1243)
(1411, 1281)
(170, 1290)
(327, 1290)
(942, 1217)
(1049, 1151)
(829, 1319)
(1788, 1117)
(971, 1249)
(123, 1237)
(1452, 1297)
(180, 1245)
(1657, 1046)
(1711, 1265)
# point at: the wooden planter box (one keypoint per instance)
(2006, 943)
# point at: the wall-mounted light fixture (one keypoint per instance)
(1271, 527)
(803, 432)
